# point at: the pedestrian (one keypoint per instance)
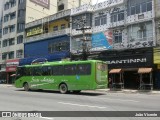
(110, 83)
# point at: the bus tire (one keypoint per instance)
(26, 87)
(63, 88)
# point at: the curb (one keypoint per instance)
(128, 91)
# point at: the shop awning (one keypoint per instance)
(115, 71)
(144, 70)
(12, 75)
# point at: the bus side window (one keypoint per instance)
(20, 71)
(37, 71)
(70, 69)
(84, 69)
(46, 70)
(57, 70)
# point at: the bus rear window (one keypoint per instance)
(101, 66)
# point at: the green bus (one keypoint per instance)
(64, 76)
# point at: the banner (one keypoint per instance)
(43, 3)
(102, 41)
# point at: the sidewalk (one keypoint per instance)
(130, 91)
(111, 91)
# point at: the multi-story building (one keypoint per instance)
(2, 71)
(157, 48)
(68, 4)
(15, 14)
(124, 30)
(52, 32)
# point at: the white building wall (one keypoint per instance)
(35, 11)
(122, 26)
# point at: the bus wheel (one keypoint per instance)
(63, 88)
(26, 87)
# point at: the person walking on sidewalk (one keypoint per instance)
(110, 83)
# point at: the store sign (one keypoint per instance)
(43, 3)
(156, 55)
(34, 31)
(11, 65)
(141, 60)
(128, 59)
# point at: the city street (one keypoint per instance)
(13, 99)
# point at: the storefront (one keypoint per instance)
(156, 55)
(131, 67)
(11, 66)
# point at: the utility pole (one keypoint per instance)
(82, 22)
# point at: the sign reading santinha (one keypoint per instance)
(34, 31)
(43, 3)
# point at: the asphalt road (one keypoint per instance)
(13, 99)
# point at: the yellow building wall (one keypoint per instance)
(156, 55)
(58, 23)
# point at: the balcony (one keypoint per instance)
(48, 35)
(53, 17)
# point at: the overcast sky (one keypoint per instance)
(95, 1)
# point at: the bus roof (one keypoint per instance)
(60, 63)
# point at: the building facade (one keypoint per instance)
(15, 14)
(124, 31)
(50, 40)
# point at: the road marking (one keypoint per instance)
(47, 118)
(82, 105)
(116, 99)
